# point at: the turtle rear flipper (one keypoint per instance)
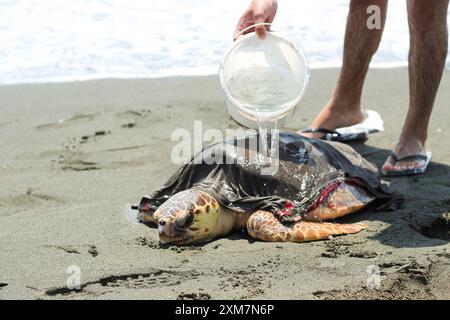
(263, 225)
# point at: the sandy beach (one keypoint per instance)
(74, 155)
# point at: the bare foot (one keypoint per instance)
(333, 117)
(406, 147)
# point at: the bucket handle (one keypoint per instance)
(250, 27)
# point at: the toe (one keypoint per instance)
(311, 135)
(403, 160)
(387, 167)
(415, 164)
(389, 164)
(402, 166)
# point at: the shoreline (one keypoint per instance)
(211, 71)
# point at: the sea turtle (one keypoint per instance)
(315, 181)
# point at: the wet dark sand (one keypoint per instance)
(74, 154)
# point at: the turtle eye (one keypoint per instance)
(185, 220)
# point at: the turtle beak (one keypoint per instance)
(168, 233)
(164, 228)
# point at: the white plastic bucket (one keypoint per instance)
(277, 52)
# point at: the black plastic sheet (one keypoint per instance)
(307, 168)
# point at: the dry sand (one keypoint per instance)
(74, 154)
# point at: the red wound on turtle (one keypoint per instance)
(144, 207)
(323, 195)
(282, 213)
(289, 205)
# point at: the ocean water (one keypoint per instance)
(46, 40)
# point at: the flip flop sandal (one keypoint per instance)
(412, 171)
(372, 123)
(334, 135)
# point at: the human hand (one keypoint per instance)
(259, 11)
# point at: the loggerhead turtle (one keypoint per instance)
(316, 181)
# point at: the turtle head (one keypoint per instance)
(190, 216)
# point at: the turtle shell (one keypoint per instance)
(306, 172)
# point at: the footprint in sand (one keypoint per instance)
(98, 133)
(66, 122)
(72, 158)
(433, 227)
(337, 248)
(401, 279)
(432, 221)
(142, 280)
(194, 296)
(79, 165)
(31, 199)
(136, 113)
(76, 249)
(133, 118)
(4, 124)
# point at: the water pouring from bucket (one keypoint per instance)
(263, 82)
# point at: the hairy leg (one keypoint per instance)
(428, 50)
(360, 44)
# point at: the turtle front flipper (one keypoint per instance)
(264, 226)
